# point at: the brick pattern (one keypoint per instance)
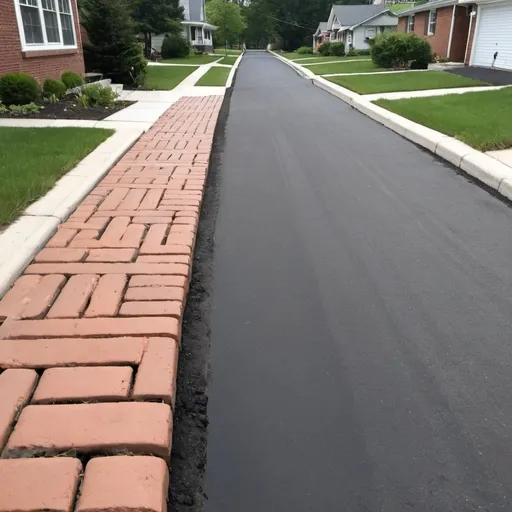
(90, 333)
(41, 65)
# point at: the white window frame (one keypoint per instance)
(27, 47)
(410, 23)
(432, 22)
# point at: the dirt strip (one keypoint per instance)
(90, 334)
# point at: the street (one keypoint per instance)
(361, 316)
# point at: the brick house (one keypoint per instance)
(40, 37)
(445, 24)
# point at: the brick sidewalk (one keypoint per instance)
(90, 336)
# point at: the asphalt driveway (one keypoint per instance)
(491, 76)
(361, 324)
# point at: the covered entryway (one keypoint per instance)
(493, 35)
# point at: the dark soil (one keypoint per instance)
(68, 109)
(188, 459)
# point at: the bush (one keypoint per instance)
(96, 95)
(305, 50)
(23, 110)
(418, 64)
(19, 89)
(113, 49)
(399, 49)
(71, 79)
(52, 87)
(337, 49)
(175, 46)
(325, 49)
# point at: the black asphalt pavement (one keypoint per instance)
(489, 75)
(361, 326)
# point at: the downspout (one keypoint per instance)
(451, 32)
(471, 16)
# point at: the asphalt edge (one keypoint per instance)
(190, 420)
(484, 168)
(231, 76)
(23, 239)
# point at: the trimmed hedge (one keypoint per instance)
(19, 89)
(399, 49)
(175, 46)
(325, 49)
(337, 49)
(305, 50)
(71, 79)
(53, 87)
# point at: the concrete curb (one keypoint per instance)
(480, 166)
(22, 240)
(301, 71)
(231, 75)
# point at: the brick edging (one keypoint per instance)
(91, 332)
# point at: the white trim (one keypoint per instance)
(45, 46)
(430, 32)
(477, 29)
(451, 32)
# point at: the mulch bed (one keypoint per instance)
(68, 109)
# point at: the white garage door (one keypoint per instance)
(494, 34)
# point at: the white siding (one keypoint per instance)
(157, 40)
(384, 20)
(359, 38)
(186, 9)
(494, 34)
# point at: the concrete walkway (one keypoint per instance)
(90, 333)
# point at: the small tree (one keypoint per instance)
(113, 48)
(227, 16)
(156, 17)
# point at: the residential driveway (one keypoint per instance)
(361, 326)
(491, 76)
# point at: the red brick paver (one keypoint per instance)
(98, 314)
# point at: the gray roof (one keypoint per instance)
(350, 15)
(322, 26)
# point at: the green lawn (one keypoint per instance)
(409, 81)
(333, 59)
(228, 60)
(480, 119)
(222, 51)
(365, 66)
(293, 55)
(192, 59)
(396, 8)
(165, 78)
(214, 77)
(33, 159)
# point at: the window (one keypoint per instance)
(193, 33)
(432, 19)
(45, 24)
(410, 23)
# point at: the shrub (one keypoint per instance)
(18, 89)
(113, 48)
(337, 49)
(96, 95)
(175, 46)
(398, 49)
(325, 49)
(305, 50)
(71, 79)
(23, 110)
(52, 87)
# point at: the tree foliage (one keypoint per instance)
(113, 48)
(156, 17)
(227, 16)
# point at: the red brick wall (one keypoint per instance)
(41, 65)
(439, 41)
(470, 40)
(460, 34)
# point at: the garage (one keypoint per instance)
(493, 34)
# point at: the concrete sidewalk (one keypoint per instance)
(91, 331)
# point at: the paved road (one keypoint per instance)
(362, 308)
